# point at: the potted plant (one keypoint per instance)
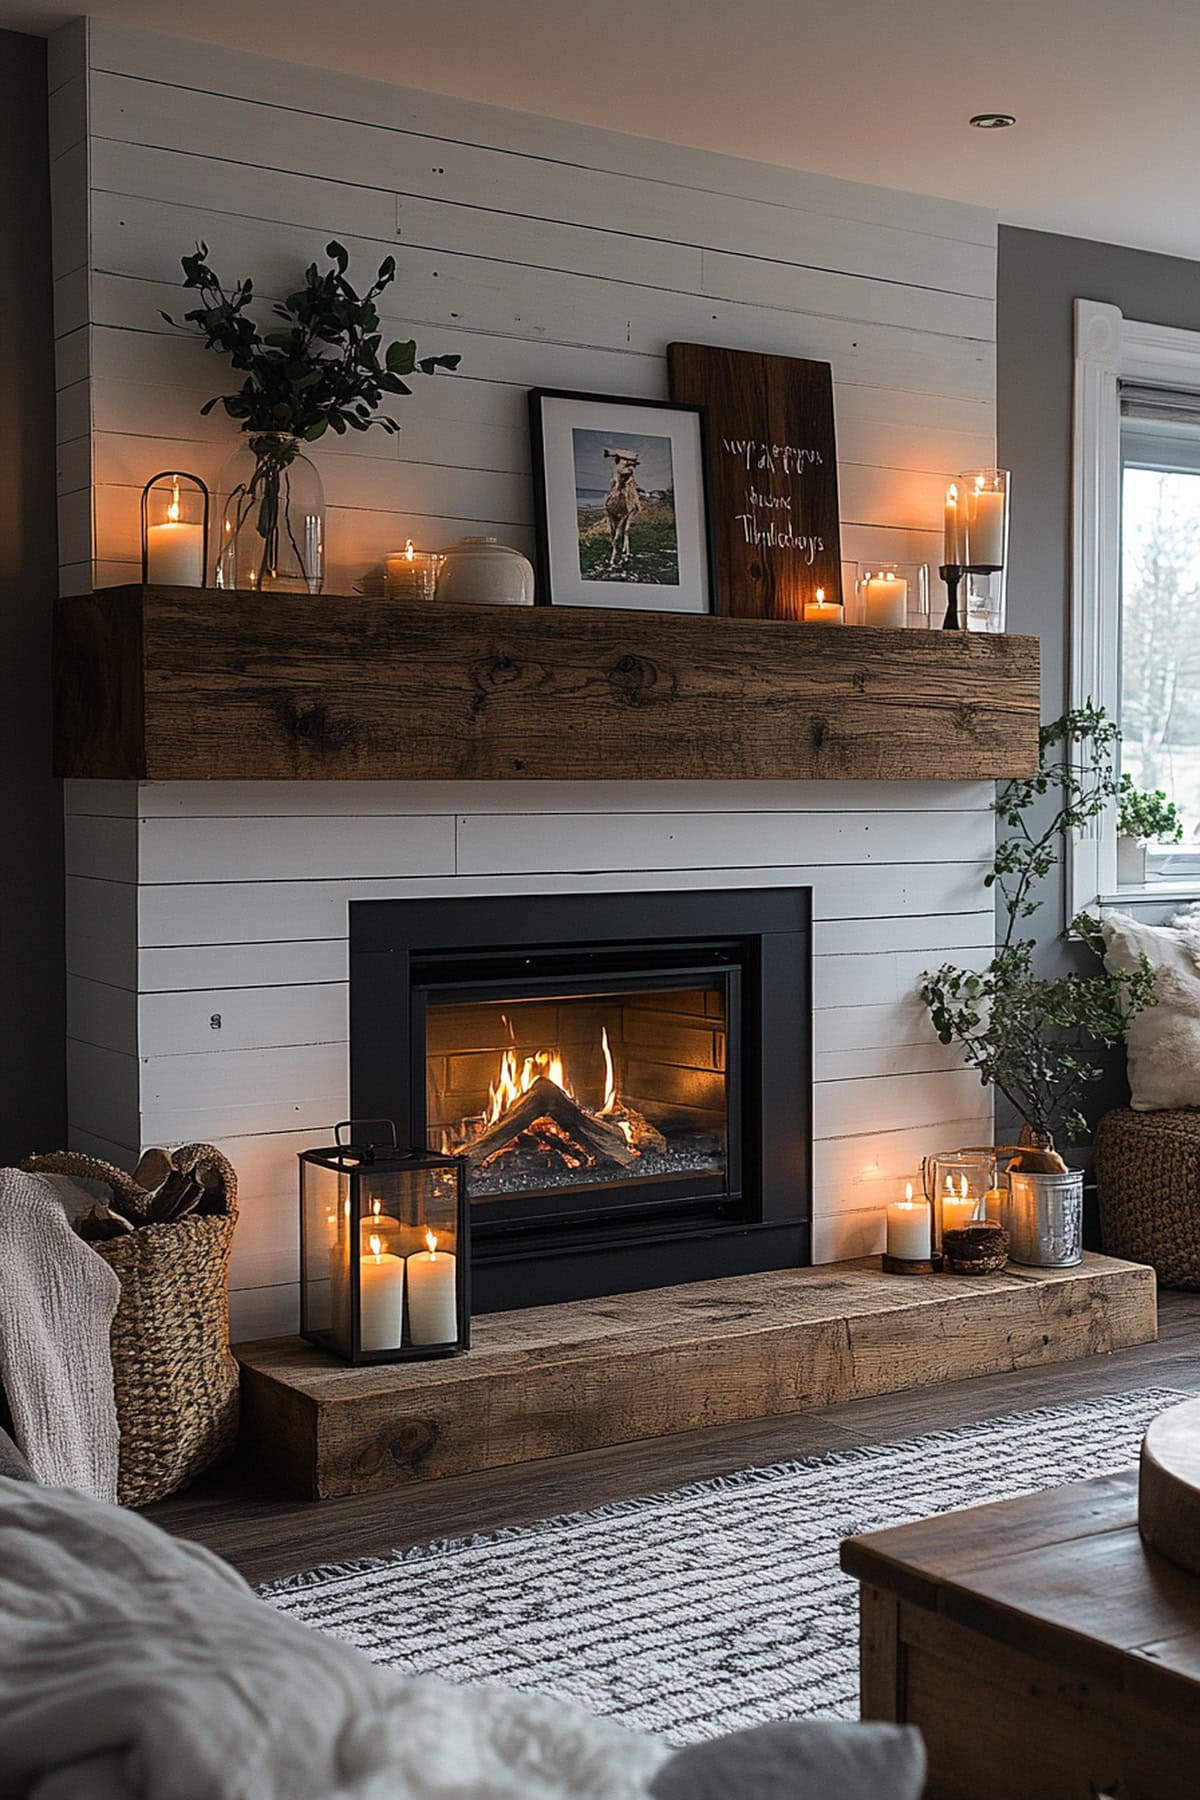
(1142, 818)
(324, 367)
(1033, 1036)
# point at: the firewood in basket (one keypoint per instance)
(179, 1195)
(103, 1223)
(545, 1099)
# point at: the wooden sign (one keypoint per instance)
(773, 490)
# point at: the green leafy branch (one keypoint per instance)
(1149, 817)
(1025, 1034)
(324, 367)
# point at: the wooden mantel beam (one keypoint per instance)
(178, 684)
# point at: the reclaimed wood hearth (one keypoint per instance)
(553, 1380)
(181, 684)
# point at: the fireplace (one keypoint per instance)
(628, 1077)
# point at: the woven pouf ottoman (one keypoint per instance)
(1148, 1180)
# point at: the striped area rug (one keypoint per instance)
(711, 1608)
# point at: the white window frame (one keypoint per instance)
(1109, 349)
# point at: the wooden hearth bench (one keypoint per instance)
(554, 1380)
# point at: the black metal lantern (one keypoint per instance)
(384, 1249)
(175, 530)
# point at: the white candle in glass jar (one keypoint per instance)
(432, 1295)
(885, 600)
(958, 1209)
(909, 1229)
(380, 1298)
(985, 526)
(819, 611)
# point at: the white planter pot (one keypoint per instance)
(1131, 862)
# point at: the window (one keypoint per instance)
(1160, 612)
(1135, 583)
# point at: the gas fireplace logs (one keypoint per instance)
(547, 1120)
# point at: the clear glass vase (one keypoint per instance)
(271, 517)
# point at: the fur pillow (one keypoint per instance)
(1164, 1041)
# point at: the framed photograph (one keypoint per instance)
(620, 490)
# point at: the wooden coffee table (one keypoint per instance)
(1043, 1650)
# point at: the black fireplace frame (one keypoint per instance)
(767, 932)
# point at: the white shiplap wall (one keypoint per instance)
(548, 254)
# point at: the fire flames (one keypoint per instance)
(566, 1134)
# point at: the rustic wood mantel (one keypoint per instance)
(178, 684)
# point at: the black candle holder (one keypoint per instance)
(952, 574)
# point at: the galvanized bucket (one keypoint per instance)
(1044, 1219)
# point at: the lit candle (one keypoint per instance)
(382, 1225)
(994, 1203)
(958, 1209)
(952, 543)
(380, 1298)
(819, 611)
(411, 574)
(432, 1300)
(909, 1233)
(885, 600)
(175, 549)
(985, 525)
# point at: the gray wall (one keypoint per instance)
(32, 1025)
(1039, 278)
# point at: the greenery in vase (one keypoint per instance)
(1033, 1037)
(1151, 818)
(324, 367)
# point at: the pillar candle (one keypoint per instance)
(958, 1209)
(380, 1298)
(175, 553)
(952, 543)
(432, 1299)
(985, 527)
(909, 1232)
(819, 611)
(885, 600)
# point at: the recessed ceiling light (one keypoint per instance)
(993, 121)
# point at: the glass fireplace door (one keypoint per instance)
(571, 1099)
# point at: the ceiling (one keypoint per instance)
(1106, 143)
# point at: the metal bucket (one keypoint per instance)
(1044, 1219)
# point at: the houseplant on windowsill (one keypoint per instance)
(323, 368)
(1142, 818)
(1032, 1036)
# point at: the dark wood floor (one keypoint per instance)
(266, 1536)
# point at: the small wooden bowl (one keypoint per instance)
(975, 1249)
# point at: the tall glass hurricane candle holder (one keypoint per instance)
(384, 1250)
(983, 510)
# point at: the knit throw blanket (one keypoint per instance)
(57, 1300)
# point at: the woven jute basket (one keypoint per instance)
(174, 1379)
(1148, 1181)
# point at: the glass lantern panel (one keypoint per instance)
(409, 1223)
(958, 1185)
(325, 1201)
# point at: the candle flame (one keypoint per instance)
(950, 1185)
(409, 551)
(376, 1246)
(430, 1242)
(820, 596)
(962, 1186)
(173, 509)
(952, 494)
(376, 1208)
(979, 484)
(908, 1193)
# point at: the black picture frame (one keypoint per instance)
(562, 580)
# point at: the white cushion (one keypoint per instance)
(1163, 1041)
